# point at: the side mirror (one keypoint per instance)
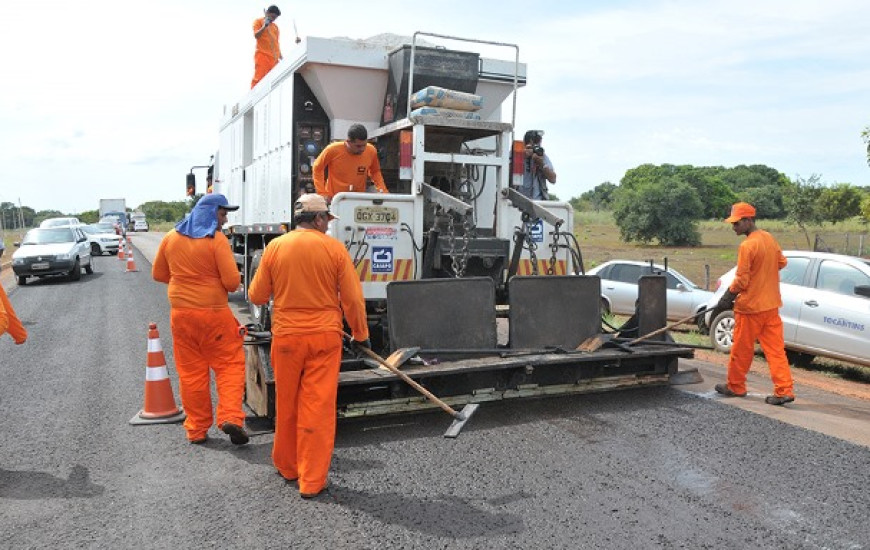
(862, 290)
(191, 184)
(681, 287)
(17, 244)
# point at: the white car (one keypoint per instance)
(619, 289)
(140, 225)
(59, 222)
(825, 308)
(102, 239)
(52, 251)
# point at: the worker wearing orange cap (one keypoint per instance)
(755, 298)
(9, 321)
(350, 163)
(268, 51)
(196, 260)
(313, 284)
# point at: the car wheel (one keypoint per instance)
(76, 272)
(799, 359)
(89, 269)
(722, 331)
(22, 280)
(605, 307)
(95, 250)
(702, 326)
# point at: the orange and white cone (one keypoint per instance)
(131, 264)
(121, 249)
(160, 405)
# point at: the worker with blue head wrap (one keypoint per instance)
(196, 261)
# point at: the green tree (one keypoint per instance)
(766, 200)
(162, 211)
(800, 203)
(865, 135)
(666, 211)
(865, 209)
(89, 216)
(601, 196)
(839, 203)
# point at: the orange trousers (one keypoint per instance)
(766, 328)
(263, 63)
(306, 387)
(204, 339)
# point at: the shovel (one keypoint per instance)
(594, 342)
(459, 417)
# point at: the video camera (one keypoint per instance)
(538, 150)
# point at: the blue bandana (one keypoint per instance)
(202, 220)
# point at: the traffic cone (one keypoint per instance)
(131, 265)
(121, 249)
(160, 405)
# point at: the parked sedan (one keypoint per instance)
(825, 308)
(102, 240)
(52, 251)
(619, 289)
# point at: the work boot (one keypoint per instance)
(727, 392)
(238, 435)
(308, 496)
(198, 440)
(778, 399)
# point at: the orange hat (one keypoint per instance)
(739, 211)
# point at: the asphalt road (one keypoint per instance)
(645, 468)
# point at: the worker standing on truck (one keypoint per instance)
(755, 298)
(196, 260)
(537, 170)
(350, 163)
(313, 282)
(9, 321)
(268, 51)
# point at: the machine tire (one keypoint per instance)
(722, 331)
(260, 315)
(22, 280)
(799, 358)
(76, 272)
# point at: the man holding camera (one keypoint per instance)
(268, 51)
(538, 169)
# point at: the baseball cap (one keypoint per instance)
(216, 199)
(739, 211)
(312, 202)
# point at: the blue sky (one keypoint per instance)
(115, 99)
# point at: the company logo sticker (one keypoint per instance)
(536, 231)
(382, 259)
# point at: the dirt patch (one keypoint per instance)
(804, 377)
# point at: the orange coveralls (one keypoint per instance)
(205, 334)
(9, 321)
(756, 313)
(268, 50)
(347, 172)
(312, 279)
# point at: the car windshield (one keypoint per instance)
(104, 227)
(49, 236)
(60, 222)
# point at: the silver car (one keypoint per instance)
(825, 308)
(619, 289)
(53, 251)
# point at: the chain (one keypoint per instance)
(532, 248)
(466, 237)
(554, 249)
(451, 238)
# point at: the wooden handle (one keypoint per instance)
(663, 329)
(411, 382)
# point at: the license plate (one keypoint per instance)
(375, 214)
(43, 265)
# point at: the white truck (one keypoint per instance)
(453, 261)
(116, 209)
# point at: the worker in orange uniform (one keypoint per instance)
(313, 282)
(350, 164)
(196, 260)
(9, 321)
(755, 298)
(268, 51)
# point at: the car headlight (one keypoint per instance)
(63, 256)
(106, 240)
(17, 261)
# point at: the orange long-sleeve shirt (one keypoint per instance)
(9, 321)
(347, 172)
(759, 260)
(269, 42)
(312, 279)
(200, 272)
